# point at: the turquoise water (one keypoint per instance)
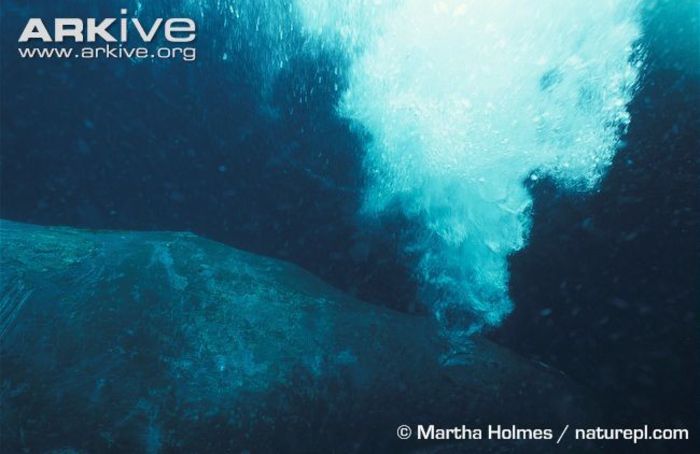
(522, 172)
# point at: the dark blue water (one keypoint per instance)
(606, 289)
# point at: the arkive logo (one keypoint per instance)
(121, 37)
(175, 30)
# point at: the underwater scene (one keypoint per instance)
(349, 226)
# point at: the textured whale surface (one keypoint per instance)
(168, 342)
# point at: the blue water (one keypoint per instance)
(529, 173)
(464, 102)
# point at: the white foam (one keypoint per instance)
(465, 100)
